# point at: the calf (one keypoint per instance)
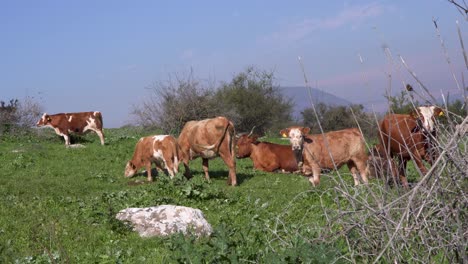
(266, 156)
(209, 138)
(410, 136)
(162, 150)
(66, 123)
(329, 151)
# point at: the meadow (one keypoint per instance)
(59, 206)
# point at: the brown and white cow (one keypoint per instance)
(79, 123)
(266, 156)
(162, 150)
(410, 136)
(209, 138)
(329, 151)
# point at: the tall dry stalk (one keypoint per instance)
(381, 223)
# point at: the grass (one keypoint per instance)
(59, 205)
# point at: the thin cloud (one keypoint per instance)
(351, 16)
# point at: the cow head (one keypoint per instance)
(296, 136)
(244, 145)
(426, 115)
(130, 169)
(45, 120)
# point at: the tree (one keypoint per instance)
(338, 117)
(19, 115)
(401, 104)
(174, 102)
(252, 99)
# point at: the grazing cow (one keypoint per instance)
(410, 136)
(78, 123)
(162, 150)
(208, 139)
(329, 151)
(266, 156)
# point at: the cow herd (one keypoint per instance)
(401, 136)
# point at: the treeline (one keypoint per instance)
(251, 99)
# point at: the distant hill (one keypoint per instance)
(300, 96)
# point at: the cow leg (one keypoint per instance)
(101, 136)
(402, 172)
(187, 172)
(205, 169)
(169, 166)
(175, 166)
(392, 167)
(363, 170)
(148, 171)
(417, 157)
(67, 139)
(354, 172)
(315, 179)
(230, 161)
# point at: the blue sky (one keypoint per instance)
(103, 55)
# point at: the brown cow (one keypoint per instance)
(79, 123)
(266, 156)
(162, 150)
(329, 150)
(208, 139)
(410, 136)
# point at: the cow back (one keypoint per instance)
(198, 136)
(399, 132)
(75, 122)
(343, 145)
(143, 151)
(282, 156)
(167, 144)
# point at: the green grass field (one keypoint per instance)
(58, 205)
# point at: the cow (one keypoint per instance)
(209, 138)
(162, 150)
(329, 150)
(410, 136)
(79, 123)
(266, 156)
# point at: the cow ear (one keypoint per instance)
(284, 132)
(254, 137)
(305, 130)
(438, 112)
(308, 140)
(415, 114)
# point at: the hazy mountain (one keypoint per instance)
(301, 98)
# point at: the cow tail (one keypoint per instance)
(98, 115)
(217, 145)
(232, 142)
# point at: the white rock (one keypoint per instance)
(165, 220)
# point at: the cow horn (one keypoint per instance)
(251, 131)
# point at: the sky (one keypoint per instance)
(74, 56)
